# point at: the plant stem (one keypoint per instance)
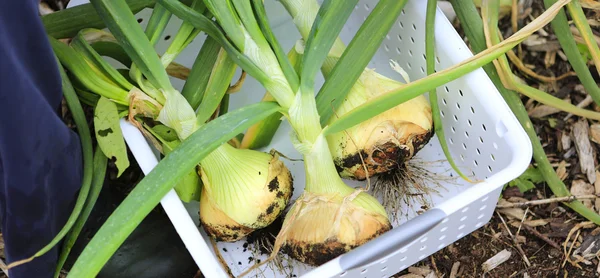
(547, 99)
(99, 173)
(561, 28)
(433, 98)
(195, 85)
(473, 27)
(580, 21)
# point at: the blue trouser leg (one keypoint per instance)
(40, 158)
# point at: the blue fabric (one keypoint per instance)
(40, 158)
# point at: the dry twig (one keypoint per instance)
(542, 237)
(515, 242)
(547, 201)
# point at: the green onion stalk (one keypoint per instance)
(95, 75)
(355, 216)
(378, 145)
(260, 183)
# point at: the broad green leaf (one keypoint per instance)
(552, 122)
(108, 133)
(585, 52)
(152, 188)
(527, 180)
(523, 185)
(532, 174)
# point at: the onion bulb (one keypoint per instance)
(384, 141)
(353, 223)
(329, 218)
(243, 190)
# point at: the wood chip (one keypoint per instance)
(536, 222)
(534, 40)
(541, 111)
(525, 275)
(431, 275)
(550, 59)
(580, 187)
(585, 102)
(512, 213)
(410, 275)
(595, 133)
(565, 141)
(562, 55)
(571, 152)
(454, 271)
(496, 260)
(561, 170)
(585, 152)
(423, 271)
(551, 46)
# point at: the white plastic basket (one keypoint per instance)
(483, 135)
